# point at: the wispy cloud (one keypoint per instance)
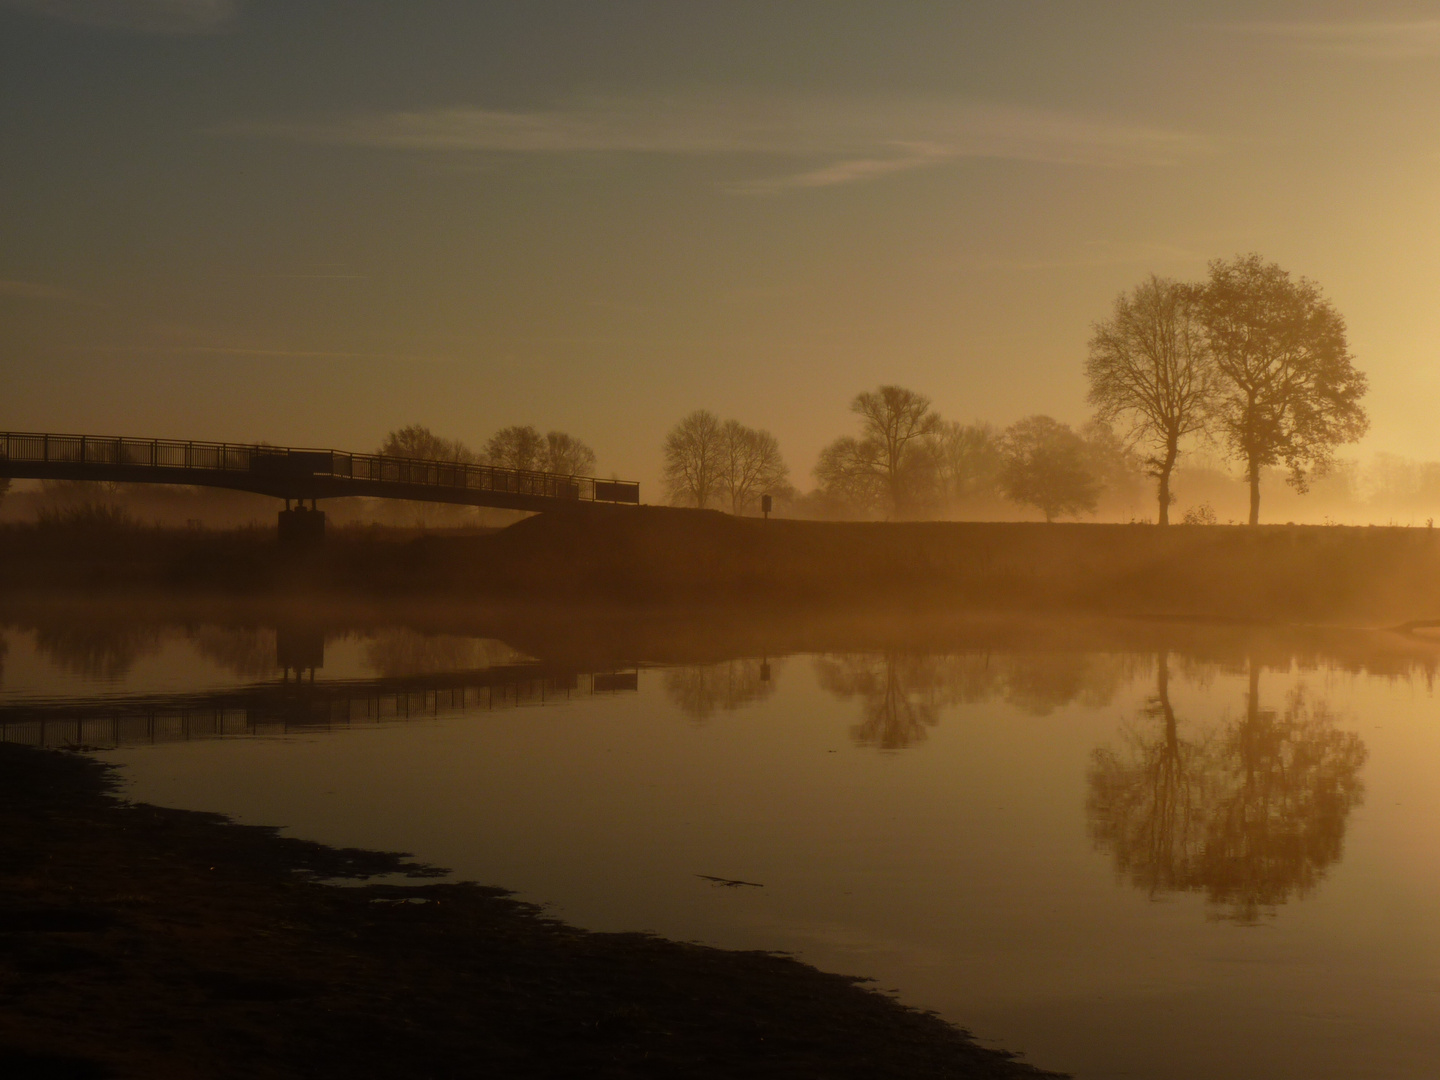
(843, 141)
(139, 16)
(1371, 39)
(848, 171)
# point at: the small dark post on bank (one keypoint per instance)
(765, 504)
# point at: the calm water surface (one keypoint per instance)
(1154, 860)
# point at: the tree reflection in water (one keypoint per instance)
(100, 651)
(699, 690)
(247, 652)
(399, 652)
(1251, 814)
(902, 694)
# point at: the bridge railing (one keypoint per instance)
(292, 462)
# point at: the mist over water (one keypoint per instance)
(1125, 850)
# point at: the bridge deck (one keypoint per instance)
(294, 473)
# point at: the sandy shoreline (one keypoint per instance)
(138, 941)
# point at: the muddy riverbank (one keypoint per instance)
(137, 941)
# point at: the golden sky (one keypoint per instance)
(311, 222)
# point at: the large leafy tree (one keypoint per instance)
(1290, 392)
(1047, 466)
(1150, 368)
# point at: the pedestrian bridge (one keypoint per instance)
(297, 474)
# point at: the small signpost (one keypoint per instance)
(765, 504)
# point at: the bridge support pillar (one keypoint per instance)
(301, 528)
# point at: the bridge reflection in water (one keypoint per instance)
(293, 706)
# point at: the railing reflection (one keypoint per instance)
(284, 707)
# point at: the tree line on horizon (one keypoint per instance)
(516, 447)
(1251, 361)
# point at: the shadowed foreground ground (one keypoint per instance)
(137, 941)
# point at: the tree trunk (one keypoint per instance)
(1172, 451)
(1254, 495)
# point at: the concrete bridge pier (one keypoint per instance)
(302, 527)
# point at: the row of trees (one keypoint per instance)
(516, 447)
(908, 461)
(1250, 359)
(710, 462)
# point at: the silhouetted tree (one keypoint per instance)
(566, 455)
(969, 461)
(1116, 467)
(750, 466)
(1150, 366)
(1250, 816)
(897, 421)
(1047, 466)
(418, 441)
(849, 475)
(1290, 391)
(516, 447)
(891, 465)
(694, 459)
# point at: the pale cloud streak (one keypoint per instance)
(139, 16)
(841, 141)
(1369, 39)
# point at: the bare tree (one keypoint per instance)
(418, 441)
(1150, 367)
(693, 459)
(891, 467)
(1290, 391)
(897, 421)
(969, 461)
(1047, 466)
(850, 476)
(516, 447)
(750, 465)
(566, 455)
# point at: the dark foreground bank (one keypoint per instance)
(137, 941)
(662, 556)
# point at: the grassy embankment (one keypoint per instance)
(655, 555)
